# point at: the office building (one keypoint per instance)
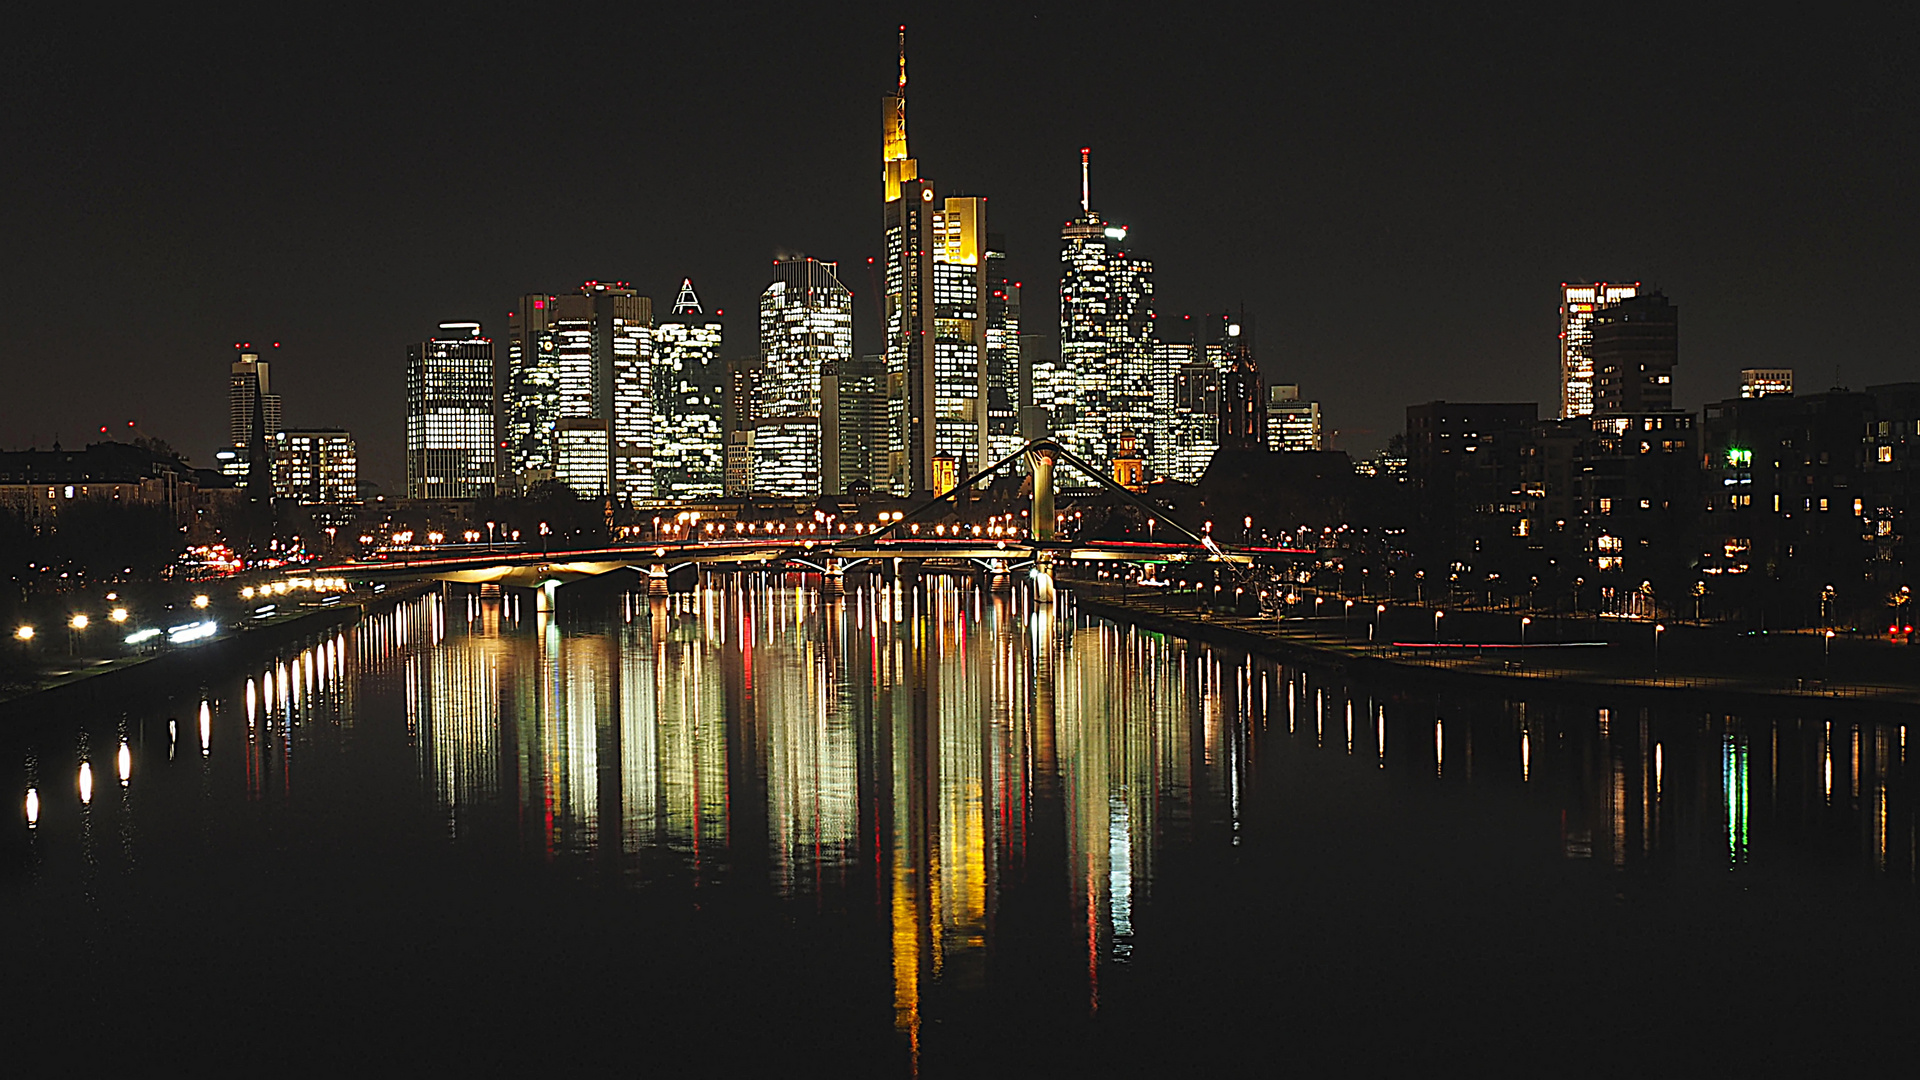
(603, 346)
(935, 311)
(689, 402)
(253, 418)
(1759, 382)
(1578, 303)
(1466, 464)
(1194, 433)
(530, 395)
(1003, 355)
(1292, 424)
(853, 415)
(316, 467)
(806, 323)
(1106, 334)
(740, 410)
(1635, 344)
(450, 415)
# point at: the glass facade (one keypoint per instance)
(1578, 302)
(602, 345)
(806, 323)
(689, 402)
(530, 448)
(1104, 386)
(450, 430)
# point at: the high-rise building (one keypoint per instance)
(689, 400)
(853, 417)
(251, 404)
(1003, 356)
(936, 313)
(1635, 344)
(530, 404)
(1759, 382)
(1578, 302)
(1292, 424)
(806, 323)
(1163, 435)
(451, 452)
(1106, 334)
(740, 411)
(316, 467)
(1195, 430)
(603, 347)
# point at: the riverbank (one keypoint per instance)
(116, 682)
(1547, 669)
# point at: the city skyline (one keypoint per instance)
(1340, 218)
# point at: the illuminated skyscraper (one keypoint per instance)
(316, 467)
(1243, 393)
(806, 324)
(603, 354)
(1003, 356)
(936, 314)
(689, 399)
(1578, 303)
(853, 417)
(530, 409)
(450, 433)
(1106, 333)
(249, 396)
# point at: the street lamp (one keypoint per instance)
(201, 601)
(78, 622)
(1379, 612)
(118, 614)
(24, 633)
(1826, 660)
(1658, 629)
(1437, 616)
(1525, 621)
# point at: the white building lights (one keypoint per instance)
(450, 431)
(1104, 384)
(806, 323)
(689, 399)
(1578, 302)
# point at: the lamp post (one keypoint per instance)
(1346, 620)
(1658, 629)
(1525, 621)
(1826, 659)
(1437, 616)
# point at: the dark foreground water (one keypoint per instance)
(932, 830)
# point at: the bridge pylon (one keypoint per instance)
(1040, 523)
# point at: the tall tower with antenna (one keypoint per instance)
(1103, 387)
(935, 310)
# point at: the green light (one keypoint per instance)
(1739, 459)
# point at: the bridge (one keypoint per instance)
(1036, 549)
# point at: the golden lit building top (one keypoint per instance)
(898, 167)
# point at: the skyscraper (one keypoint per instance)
(1003, 355)
(251, 403)
(450, 415)
(1106, 334)
(806, 323)
(689, 400)
(1578, 302)
(530, 409)
(853, 417)
(937, 293)
(1635, 344)
(603, 351)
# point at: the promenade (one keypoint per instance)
(1484, 650)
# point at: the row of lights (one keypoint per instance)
(282, 588)
(81, 620)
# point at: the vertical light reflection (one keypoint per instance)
(206, 727)
(86, 783)
(1733, 773)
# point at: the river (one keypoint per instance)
(931, 830)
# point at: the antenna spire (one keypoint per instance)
(903, 60)
(1086, 201)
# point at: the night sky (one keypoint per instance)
(1396, 196)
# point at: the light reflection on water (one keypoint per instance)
(930, 751)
